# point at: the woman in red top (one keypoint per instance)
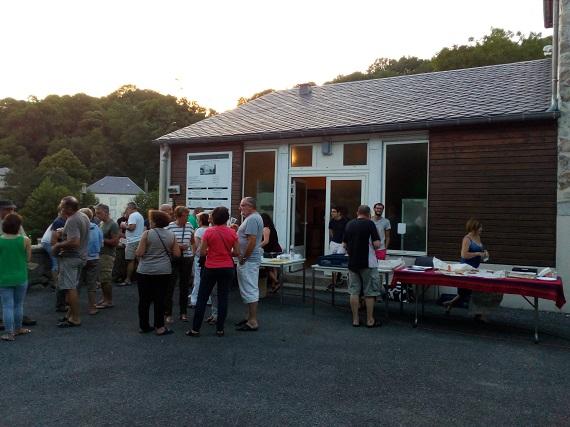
(219, 244)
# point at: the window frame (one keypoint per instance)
(312, 165)
(262, 150)
(344, 144)
(384, 158)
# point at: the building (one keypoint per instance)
(435, 148)
(116, 192)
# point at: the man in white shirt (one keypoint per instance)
(134, 228)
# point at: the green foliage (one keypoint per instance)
(498, 47)
(64, 161)
(41, 207)
(243, 100)
(146, 201)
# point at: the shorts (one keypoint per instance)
(248, 280)
(370, 284)
(130, 250)
(106, 263)
(69, 272)
(337, 248)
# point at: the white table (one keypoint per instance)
(282, 263)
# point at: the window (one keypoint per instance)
(406, 194)
(355, 154)
(301, 156)
(259, 179)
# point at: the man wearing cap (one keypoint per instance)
(8, 207)
(134, 227)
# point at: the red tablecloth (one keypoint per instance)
(551, 290)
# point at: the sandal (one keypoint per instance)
(184, 318)
(241, 322)
(23, 331)
(8, 337)
(103, 305)
(191, 333)
(247, 328)
(166, 332)
(376, 324)
(67, 324)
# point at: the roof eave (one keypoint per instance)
(359, 129)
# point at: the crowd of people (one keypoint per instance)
(200, 254)
(165, 253)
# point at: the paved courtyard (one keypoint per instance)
(298, 369)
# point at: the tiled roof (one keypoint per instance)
(115, 185)
(406, 102)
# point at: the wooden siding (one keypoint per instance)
(503, 175)
(179, 164)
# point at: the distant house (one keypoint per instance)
(3, 172)
(116, 192)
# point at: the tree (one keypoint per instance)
(146, 201)
(64, 160)
(41, 207)
(243, 100)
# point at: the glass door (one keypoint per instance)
(345, 194)
(299, 216)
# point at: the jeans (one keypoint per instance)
(197, 275)
(13, 306)
(223, 277)
(53, 258)
(181, 273)
(152, 290)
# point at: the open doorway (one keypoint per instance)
(312, 196)
(308, 216)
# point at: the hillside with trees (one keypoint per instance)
(53, 146)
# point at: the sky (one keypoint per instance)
(216, 51)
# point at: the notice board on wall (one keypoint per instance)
(209, 180)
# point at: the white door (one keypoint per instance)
(298, 216)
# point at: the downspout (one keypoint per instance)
(555, 55)
(163, 177)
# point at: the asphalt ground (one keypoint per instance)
(298, 369)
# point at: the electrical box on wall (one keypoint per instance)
(326, 148)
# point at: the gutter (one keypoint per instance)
(347, 130)
(555, 54)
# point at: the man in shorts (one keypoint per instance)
(360, 239)
(382, 225)
(134, 227)
(111, 235)
(72, 251)
(250, 234)
(337, 224)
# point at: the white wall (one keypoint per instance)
(116, 203)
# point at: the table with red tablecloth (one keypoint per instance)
(545, 289)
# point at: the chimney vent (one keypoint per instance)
(305, 89)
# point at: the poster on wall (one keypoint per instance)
(209, 180)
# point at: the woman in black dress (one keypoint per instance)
(271, 248)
